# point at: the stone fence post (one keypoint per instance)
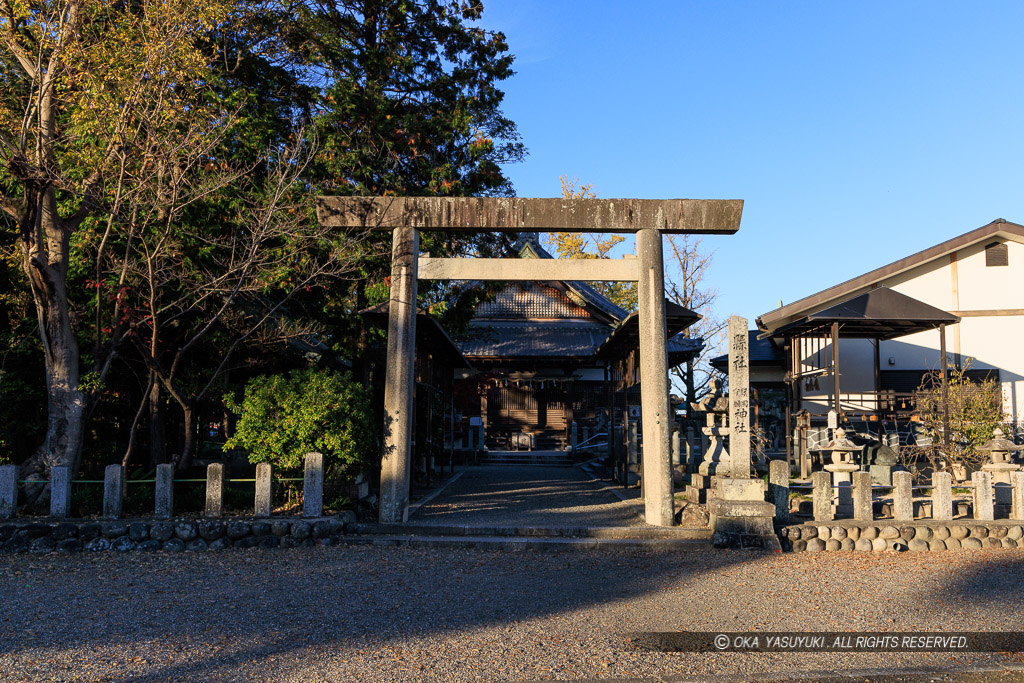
(902, 496)
(60, 491)
(778, 489)
(313, 486)
(214, 490)
(164, 497)
(8, 490)
(822, 482)
(863, 508)
(942, 496)
(113, 486)
(264, 489)
(983, 505)
(1016, 509)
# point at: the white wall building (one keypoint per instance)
(978, 276)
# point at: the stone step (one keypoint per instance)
(527, 459)
(448, 530)
(521, 543)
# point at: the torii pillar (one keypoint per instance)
(648, 218)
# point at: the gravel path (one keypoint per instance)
(522, 495)
(395, 614)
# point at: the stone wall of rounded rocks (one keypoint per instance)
(175, 535)
(880, 537)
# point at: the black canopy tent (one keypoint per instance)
(880, 314)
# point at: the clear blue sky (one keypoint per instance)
(857, 132)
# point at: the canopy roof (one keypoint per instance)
(534, 339)
(882, 313)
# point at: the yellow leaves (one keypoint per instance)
(571, 189)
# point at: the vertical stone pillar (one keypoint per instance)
(8, 490)
(862, 507)
(739, 397)
(214, 490)
(691, 452)
(654, 387)
(676, 447)
(983, 505)
(60, 491)
(1016, 509)
(313, 486)
(778, 489)
(400, 381)
(822, 483)
(575, 436)
(902, 497)
(633, 448)
(113, 485)
(264, 490)
(942, 496)
(164, 506)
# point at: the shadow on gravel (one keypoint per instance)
(196, 616)
(995, 578)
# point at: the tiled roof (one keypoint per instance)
(531, 300)
(544, 339)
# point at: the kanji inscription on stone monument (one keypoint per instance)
(739, 397)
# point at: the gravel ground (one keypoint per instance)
(358, 613)
(527, 496)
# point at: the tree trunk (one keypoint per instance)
(46, 269)
(157, 429)
(189, 444)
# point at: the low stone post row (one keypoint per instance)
(903, 496)
(113, 488)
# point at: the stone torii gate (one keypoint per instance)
(648, 218)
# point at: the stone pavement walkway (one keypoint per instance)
(523, 495)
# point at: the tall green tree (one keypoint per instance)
(81, 78)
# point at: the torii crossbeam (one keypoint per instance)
(648, 218)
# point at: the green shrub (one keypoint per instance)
(285, 417)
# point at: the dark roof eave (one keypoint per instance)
(881, 313)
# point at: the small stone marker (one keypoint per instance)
(822, 482)
(313, 486)
(633, 451)
(983, 504)
(942, 496)
(778, 489)
(60, 491)
(739, 397)
(902, 496)
(675, 446)
(862, 505)
(264, 484)
(8, 490)
(113, 483)
(1016, 481)
(214, 490)
(164, 497)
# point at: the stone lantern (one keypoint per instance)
(842, 469)
(999, 449)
